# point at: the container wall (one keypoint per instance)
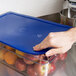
(27, 64)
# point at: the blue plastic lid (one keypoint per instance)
(23, 32)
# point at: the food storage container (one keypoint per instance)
(27, 64)
(18, 35)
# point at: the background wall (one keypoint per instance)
(31, 7)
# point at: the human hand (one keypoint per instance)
(60, 41)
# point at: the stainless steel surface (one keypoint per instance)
(66, 68)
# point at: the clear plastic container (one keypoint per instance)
(27, 64)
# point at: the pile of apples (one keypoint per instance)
(37, 66)
(34, 65)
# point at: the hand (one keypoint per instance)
(60, 41)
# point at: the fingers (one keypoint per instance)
(37, 47)
(54, 51)
(40, 47)
(46, 43)
(43, 45)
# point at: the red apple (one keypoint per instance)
(29, 57)
(30, 70)
(63, 56)
(42, 69)
(53, 67)
(20, 65)
(56, 59)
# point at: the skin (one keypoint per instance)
(60, 41)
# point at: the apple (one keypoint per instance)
(2, 53)
(20, 53)
(1, 45)
(30, 70)
(63, 56)
(53, 67)
(10, 58)
(42, 69)
(20, 64)
(56, 59)
(30, 59)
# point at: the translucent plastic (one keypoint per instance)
(27, 64)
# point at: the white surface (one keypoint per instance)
(31, 7)
(65, 5)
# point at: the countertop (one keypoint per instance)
(66, 68)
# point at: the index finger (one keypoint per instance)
(43, 45)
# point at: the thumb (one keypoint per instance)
(53, 52)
